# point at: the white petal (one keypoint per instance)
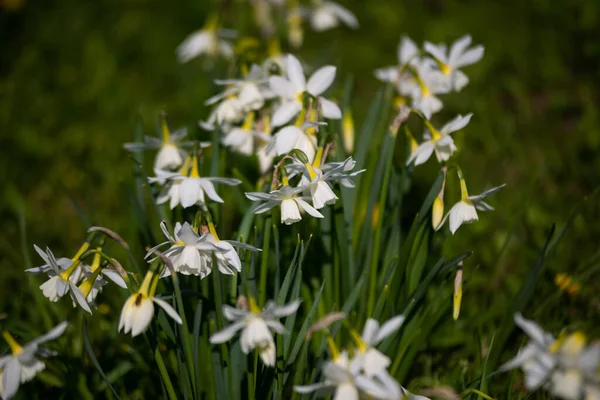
(321, 80)
(462, 213)
(456, 124)
(287, 309)
(115, 277)
(190, 192)
(209, 188)
(168, 309)
(329, 109)
(282, 87)
(388, 328)
(286, 112)
(52, 334)
(141, 317)
(407, 50)
(421, 153)
(295, 73)
(289, 212)
(11, 378)
(458, 48)
(308, 208)
(227, 333)
(469, 57)
(369, 331)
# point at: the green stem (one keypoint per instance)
(185, 335)
(164, 374)
(391, 139)
(262, 293)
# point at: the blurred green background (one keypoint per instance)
(76, 77)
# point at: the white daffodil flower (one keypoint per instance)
(190, 190)
(578, 365)
(439, 142)
(138, 310)
(368, 359)
(566, 367)
(293, 137)
(207, 41)
(396, 392)
(458, 56)
(286, 197)
(256, 327)
(190, 253)
(344, 382)
(535, 359)
(22, 365)
(61, 279)
(316, 178)
(250, 92)
(291, 91)
(465, 211)
(430, 83)
(242, 139)
(325, 15)
(97, 277)
(228, 260)
(408, 55)
(170, 154)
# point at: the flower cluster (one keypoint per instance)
(361, 371)
(568, 367)
(422, 74)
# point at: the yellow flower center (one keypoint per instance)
(166, 134)
(67, 272)
(253, 306)
(213, 231)
(195, 173)
(15, 348)
(88, 284)
(335, 353)
(247, 126)
(445, 68)
(362, 346)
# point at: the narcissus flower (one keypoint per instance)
(170, 154)
(245, 138)
(465, 211)
(328, 14)
(205, 41)
(190, 190)
(459, 56)
(61, 281)
(566, 367)
(22, 365)
(138, 310)
(291, 91)
(256, 327)
(317, 177)
(439, 142)
(249, 92)
(190, 253)
(368, 359)
(286, 197)
(343, 381)
(408, 55)
(293, 137)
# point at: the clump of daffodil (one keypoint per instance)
(346, 377)
(22, 364)
(171, 153)
(138, 310)
(423, 74)
(465, 211)
(255, 326)
(566, 367)
(449, 61)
